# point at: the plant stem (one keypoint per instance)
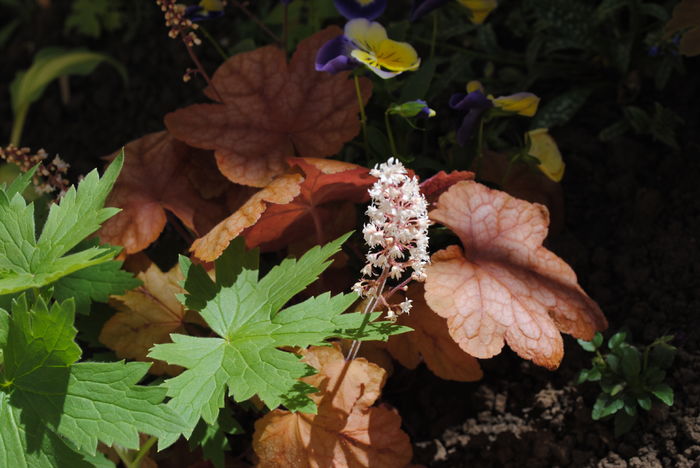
(355, 346)
(433, 39)
(136, 463)
(18, 126)
(390, 135)
(363, 116)
(214, 42)
(200, 68)
(256, 20)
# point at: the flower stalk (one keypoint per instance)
(397, 235)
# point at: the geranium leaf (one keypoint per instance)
(47, 396)
(26, 262)
(247, 315)
(503, 286)
(94, 284)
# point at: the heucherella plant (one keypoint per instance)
(366, 43)
(397, 235)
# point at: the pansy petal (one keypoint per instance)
(370, 60)
(397, 56)
(333, 57)
(475, 85)
(545, 149)
(520, 103)
(480, 9)
(352, 9)
(368, 35)
(475, 103)
(421, 8)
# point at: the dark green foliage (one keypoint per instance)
(628, 377)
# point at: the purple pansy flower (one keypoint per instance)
(352, 9)
(421, 8)
(474, 104)
(334, 56)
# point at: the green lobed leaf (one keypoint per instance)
(94, 284)
(631, 362)
(212, 437)
(247, 315)
(27, 263)
(51, 397)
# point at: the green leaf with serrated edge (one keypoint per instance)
(20, 448)
(605, 405)
(94, 284)
(663, 392)
(251, 327)
(20, 183)
(212, 437)
(84, 403)
(27, 263)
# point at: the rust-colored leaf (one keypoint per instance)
(436, 185)
(280, 191)
(430, 341)
(155, 179)
(504, 286)
(147, 316)
(329, 189)
(346, 432)
(267, 109)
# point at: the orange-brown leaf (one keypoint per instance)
(346, 432)
(267, 109)
(155, 179)
(430, 341)
(504, 286)
(436, 185)
(147, 316)
(280, 191)
(328, 189)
